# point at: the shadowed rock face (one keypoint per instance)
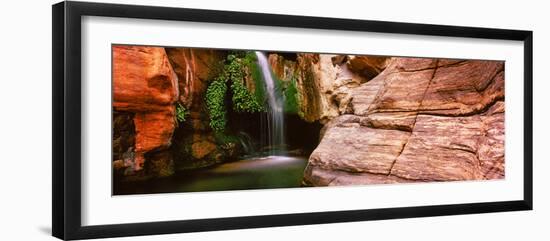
(194, 142)
(417, 120)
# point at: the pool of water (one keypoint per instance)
(251, 173)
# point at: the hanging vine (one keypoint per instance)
(242, 99)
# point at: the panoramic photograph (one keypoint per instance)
(201, 119)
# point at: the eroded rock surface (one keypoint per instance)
(417, 120)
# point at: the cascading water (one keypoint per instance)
(275, 112)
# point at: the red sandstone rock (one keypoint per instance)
(145, 84)
(195, 68)
(143, 79)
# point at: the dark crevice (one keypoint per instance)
(402, 128)
(459, 149)
(411, 71)
(399, 154)
(332, 180)
(491, 81)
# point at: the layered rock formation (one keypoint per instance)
(144, 92)
(417, 120)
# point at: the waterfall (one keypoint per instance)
(275, 112)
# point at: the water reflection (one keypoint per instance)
(252, 173)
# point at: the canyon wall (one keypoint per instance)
(417, 120)
(195, 144)
(148, 84)
(324, 81)
(144, 92)
(386, 120)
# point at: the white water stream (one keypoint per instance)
(276, 121)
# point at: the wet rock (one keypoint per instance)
(160, 163)
(202, 148)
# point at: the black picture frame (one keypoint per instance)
(66, 47)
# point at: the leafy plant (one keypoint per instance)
(291, 97)
(181, 113)
(235, 68)
(288, 90)
(215, 98)
(249, 61)
(243, 100)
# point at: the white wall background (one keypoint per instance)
(25, 123)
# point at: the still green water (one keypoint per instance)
(253, 173)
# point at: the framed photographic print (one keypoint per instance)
(170, 120)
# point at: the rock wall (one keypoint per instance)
(195, 145)
(386, 120)
(325, 81)
(416, 120)
(145, 88)
(148, 83)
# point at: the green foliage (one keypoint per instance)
(233, 69)
(181, 113)
(250, 61)
(222, 138)
(215, 98)
(243, 100)
(289, 91)
(291, 97)
(249, 57)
